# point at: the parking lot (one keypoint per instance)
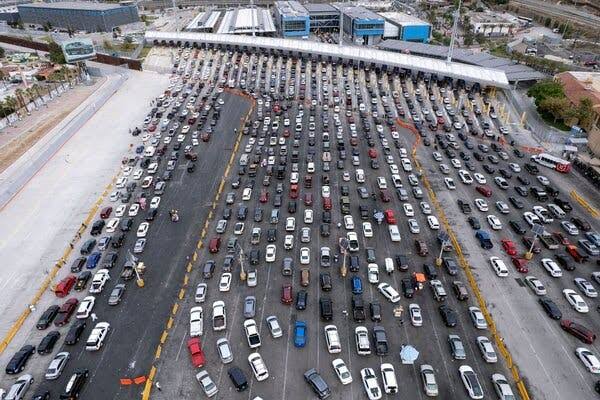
(326, 153)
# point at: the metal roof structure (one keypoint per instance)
(204, 20)
(513, 71)
(74, 5)
(369, 55)
(291, 8)
(402, 18)
(321, 8)
(241, 20)
(359, 12)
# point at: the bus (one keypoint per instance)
(550, 161)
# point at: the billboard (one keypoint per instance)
(78, 49)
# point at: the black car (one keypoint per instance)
(18, 361)
(47, 317)
(75, 385)
(151, 214)
(407, 288)
(271, 235)
(450, 265)
(47, 344)
(82, 280)
(41, 394)
(464, 206)
(375, 311)
(516, 226)
(326, 217)
(325, 280)
(516, 202)
(326, 308)
(78, 264)
(118, 239)
(474, 222)
(354, 263)
(523, 180)
(301, 299)
(292, 207)
(317, 384)
(448, 315)
(126, 224)
(489, 169)
(97, 227)
(208, 269)
(258, 214)
(565, 261)
(75, 332)
(227, 213)
(429, 271)
(254, 256)
(325, 230)
(550, 308)
(522, 191)
(110, 260)
(87, 247)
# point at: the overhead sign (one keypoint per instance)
(538, 229)
(78, 50)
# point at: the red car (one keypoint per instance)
(64, 287)
(308, 199)
(286, 133)
(520, 264)
(389, 217)
(440, 120)
(105, 213)
(286, 294)
(294, 191)
(151, 128)
(327, 203)
(205, 136)
(264, 196)
(65, 312)
(214, 245)
(385, 196)
(354, 141)
(509, 247)
(574, 252)
(484, 190)
(195, 348)
(372, 153)
(562, 238)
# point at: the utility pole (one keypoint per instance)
(241, 257)
(454, 31)
(252, 13)
(341, 40)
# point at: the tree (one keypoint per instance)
(555, 106)
(544, 89)
(468, 40)
(585, 112)
(56, 53)
(2, 52)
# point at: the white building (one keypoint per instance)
(247, 21)
(493, 24)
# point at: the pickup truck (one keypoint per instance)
(252, 333)
(380, 340)
(358, 308)
(549, 242)
(484, 239)
(219, 318)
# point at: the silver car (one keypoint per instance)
(249, 307)
(116, 295)
(274, 326)
(224, 350)
(57, 365)
(456, 347)
(429, 383)
(19, 388)
(200, 295)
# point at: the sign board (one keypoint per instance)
(78, 50)
(537, 229)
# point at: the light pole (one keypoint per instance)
(443, 239)
(241, 257)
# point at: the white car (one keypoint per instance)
(556, 210)
(477, 318)
(394, 233)
(348, 222)
(586, 287)
(494, 222)
(589, 359)
(99, 280)
(258, 366)
(353, 245)
(367, 229)
(308, 216)
(133, 210)
(252, 334)
(388, 376)
(225, 282)
(552, 267)
(346, 176)
(406, 164)
(425, 208)
(143, 229)
(370, 383)
(480, 178)
(381, 182)
(270, 253)
(388, 292)
(481, 205)
(433, 222)
(394, 169)
(430, 386)
(502, 388)
(416, 318)
(196, 321)
(97, 336)
(208, 385)
(200, 294)
(112, 225)
(290, 224)
(288, 242)
(487, 350)
(570, 228)
(373, 273)
(413, 225)
(471, 382)
(536, 285)
(85, 307)
(120, 210)
(342, 371)
(465, 177)
(304, 256)
(543, 214)
(408, 210)
(499, 266)
(531, 218)
(325, 191)
(274, 327)
(359, 175)
(576, 301)
(543, 180)
(252, 278)
(238, 228)
(450, 183)
(155, 202)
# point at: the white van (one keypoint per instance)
(361, 336)
(332, 338)
(499, 267)
(388, 375)
(389, 265)
(360, 175)
(433, 222)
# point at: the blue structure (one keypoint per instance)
(410, 29)
(363, 26)
(292, 19)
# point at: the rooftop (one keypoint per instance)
(73, 5)
(204, 20)
(360, 13)
(491, 18)
(402, 18)
(316, 8)
(291, 8)
(513, 70)
(242, 20)
(580, 84)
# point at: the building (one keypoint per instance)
(257, 21)
(323, 17)
(580, 85)
(291, 19)
(493, 24)
(361, 26)
(79, 16)
(205, 21)
(410, 29)
(9, 14)
(151, 5)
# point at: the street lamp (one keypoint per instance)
(241, 257)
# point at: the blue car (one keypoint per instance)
(93, 260)
(300, 334)
(357, 287)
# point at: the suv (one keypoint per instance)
(579, 331)
(358, 308)
(75, 385)
(326, 308)
(460, 290)
(317, 383)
